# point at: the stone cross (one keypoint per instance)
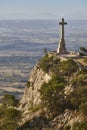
(62, 31)
(61, 47)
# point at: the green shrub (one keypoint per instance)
(79, 126)
(48, 62)
(78, 96)
(78, 81)
(12, 114)
(69, 66)
(52, 95)
(9, 100)
(83, 49)
(83, 108)
(2, 111)
(9, 118)
(67, 127)
(35, 108)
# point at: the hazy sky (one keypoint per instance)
(42, 9)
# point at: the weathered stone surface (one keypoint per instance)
(31, 95)
(61, 47)
(33, 120)
(67, 118)
(38, 120)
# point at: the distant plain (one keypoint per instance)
(22, 44)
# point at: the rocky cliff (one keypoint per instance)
(31, 95)
(38, 119)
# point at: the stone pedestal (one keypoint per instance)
(61, 47)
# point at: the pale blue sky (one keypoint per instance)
(43, 9)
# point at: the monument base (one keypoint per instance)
(61, 48)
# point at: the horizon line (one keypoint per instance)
(43, 18)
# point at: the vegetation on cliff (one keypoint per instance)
(52, 93)
(64, 92)
(83, 51)
(49, 63)
(9, 115)
(63, 97)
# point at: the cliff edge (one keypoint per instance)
(31, 95)
(53, 97)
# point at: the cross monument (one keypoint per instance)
(61, 47)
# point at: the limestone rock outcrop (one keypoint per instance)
(67, 118)
(31, 95)
(39, 120)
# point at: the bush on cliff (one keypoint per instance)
(48, 62)
(9, 115)
(9, 100)
(80, 126)
(9, 118)
(52, 95)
